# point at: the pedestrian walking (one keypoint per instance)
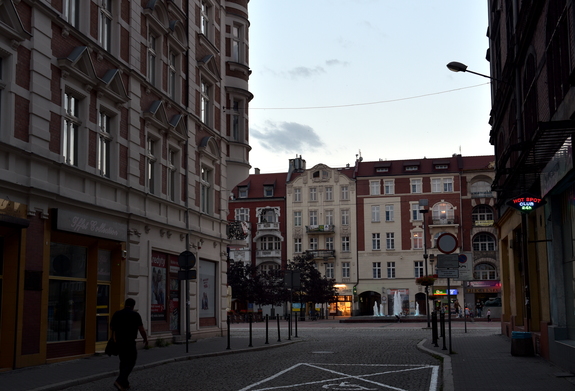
(478, 307)
(489, 315)
(125, 325)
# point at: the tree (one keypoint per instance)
(314, 287)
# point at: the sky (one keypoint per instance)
(336, 79)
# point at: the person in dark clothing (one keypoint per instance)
(125, 325)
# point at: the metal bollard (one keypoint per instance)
(250, 320)
(434, 328)
(442, 317)
(279, 334)
(267, 330)
(228, 321)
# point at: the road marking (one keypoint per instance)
(340, 380)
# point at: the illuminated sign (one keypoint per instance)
(443, 292)
(525, 203)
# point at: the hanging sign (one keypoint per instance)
(526, 202)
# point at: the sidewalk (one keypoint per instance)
(70, 373)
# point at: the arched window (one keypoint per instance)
(484, 271)
(269, 243)
(442, 212)
(483, 242)
(482, 213)
(481, 189)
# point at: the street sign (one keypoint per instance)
(448, 273)
(186, 260)
(187, 274)
(445, 261)
(465, 267)
(447, 243)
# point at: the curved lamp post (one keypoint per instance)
(455, 66)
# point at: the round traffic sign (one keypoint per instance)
(186, 260)
(446, 243)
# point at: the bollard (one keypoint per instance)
(228, 321)
(279, 334)
(296, 316)
(442, 317)
(289, 327)
(434, 328)
(250, 320)
(267, 330)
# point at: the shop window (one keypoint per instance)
(67, 292)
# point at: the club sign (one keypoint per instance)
(525, 203)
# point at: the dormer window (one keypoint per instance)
(268, 191)
(441, 166)
(411, 168)
(242, 192)
(382, 169)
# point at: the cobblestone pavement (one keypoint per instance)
(325, 359)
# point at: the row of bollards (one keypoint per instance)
(250, 321)
(438, 331)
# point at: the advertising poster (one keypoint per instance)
(158, 279)
(174, 303)
(207, 281)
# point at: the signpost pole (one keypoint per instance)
(449, 312)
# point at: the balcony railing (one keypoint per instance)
(482, 194)
(320, 229)
(268, 253)
(483, 223)
(269, 226)
(448, 221)
(320, 254)
(238, 230)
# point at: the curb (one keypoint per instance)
(447, 381)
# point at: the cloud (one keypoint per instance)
(305, 72)
(287, 137)
(335, 62)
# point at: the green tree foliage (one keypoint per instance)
(314, 287)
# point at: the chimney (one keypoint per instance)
(257, 171)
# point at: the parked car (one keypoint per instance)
(493, 302)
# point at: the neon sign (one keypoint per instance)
(526, 203)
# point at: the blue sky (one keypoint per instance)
(332, 78)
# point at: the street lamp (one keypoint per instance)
(455, 66)
(423, 203)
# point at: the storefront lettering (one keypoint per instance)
(82, 224)
(89, 225)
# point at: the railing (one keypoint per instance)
(321, 253)
(448, 221)
(238, 230)
(482, 194)
(268, 253)
(483, 223)
(271, 226)
(318, 229)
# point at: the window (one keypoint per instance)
(104, 141)
(345, 217)
(106, 25)
(329, 193)
(172, 172)
(206, 190)
(345, 270)
(329, 243)
(389, 186)
(483, 242)
(237, 54)
(417, 240)
(72, 12)
(2, 86)
(411, 168)
(242, 191)
(442, 212)
(375, 214)
(447, 185)
(441, 185)
(237, 134)
(329, 270)
(172, 75)
(329, 217)
(390, 241)
(376, 269)
(152, 56)
(297, 245)
(312, 194)
(436, 185)
(268, 215)
(67, 292)
(391, 270)
(389, 213)
(242, 214)
(345, 193)
(375, 241)
(268, 191)
(297, 218)
(482, 213)
(481, 189)
(205, 19)
(71, 126)
(297, 194)
(374, 188)
(416, 215)
(269, 243)
(441, 166)
(313, 217)
(418, 268)
(345, 243)
(151, 165)
(205, 102)
(416, 185)
(484, 271)
(313, 243)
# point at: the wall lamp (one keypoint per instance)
(455, 66)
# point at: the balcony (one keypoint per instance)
(482, 194)
(483, 223)
(269, 226)
(321, 254)
(268, 253)
(447, 221)
(320, 229)
(238, 230)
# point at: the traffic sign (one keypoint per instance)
(186, 260)
(445, 261)
(447, 273)
(187, 274)
(447, 243)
